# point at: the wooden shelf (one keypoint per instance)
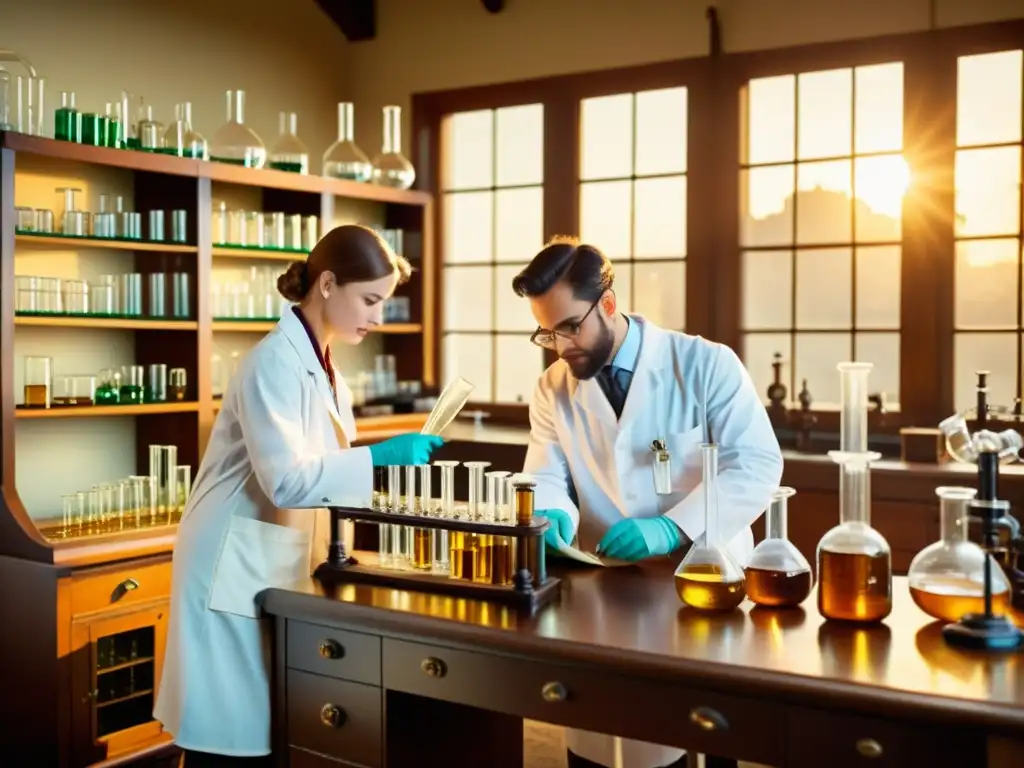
(115, 158)
(120, 323)
(104, 411)
(265, 326)
(71, 243)
(360, 191)
(221, 252)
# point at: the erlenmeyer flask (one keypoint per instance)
(235, 143)
(181, 139)
(854, 560)
(777, 574)
(947, 578)
(344, 159)
(709, 578)
(390, 168)
(288, 152)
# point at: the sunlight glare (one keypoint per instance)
(882, 183)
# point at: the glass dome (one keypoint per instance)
(235, 143)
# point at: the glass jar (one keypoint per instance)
(390, 167)
(234, 142)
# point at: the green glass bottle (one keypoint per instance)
(67, 122)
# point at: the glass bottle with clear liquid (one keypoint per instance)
(390, 167)
(288, 152)
(344, 159)
(854, 560)
(947, 578)
(709, 578)
(234, 142)
(777, 574)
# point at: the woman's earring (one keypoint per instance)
(325, 295)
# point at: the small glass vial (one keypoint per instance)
(662, 468)
(176, 384)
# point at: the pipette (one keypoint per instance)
(451, 401)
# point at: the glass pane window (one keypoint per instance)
(493, 224)
(987, 287)
(633, 196)
(822, 183)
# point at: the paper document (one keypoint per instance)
(589, 558)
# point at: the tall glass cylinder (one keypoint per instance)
(344, 159)
(163, 467)
(184, 485)
(390, 167)
(426, 496)
(477, 506)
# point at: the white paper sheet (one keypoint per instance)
(565, 550)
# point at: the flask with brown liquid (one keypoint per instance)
(947, 578)
(854, 560)
(777, 574)
(708, 578)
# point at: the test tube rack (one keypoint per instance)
(531, 587)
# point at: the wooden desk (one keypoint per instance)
(430, 680)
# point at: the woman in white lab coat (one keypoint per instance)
(278, 455)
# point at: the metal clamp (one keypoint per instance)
(332, 716)
(433, 667)
(331, 649)
(708, 719)
(554, 692)
(869, 748)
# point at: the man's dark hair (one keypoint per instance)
(583, 267)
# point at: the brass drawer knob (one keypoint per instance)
(331, 649)
(433, 667)
(869, 748)
(554, 692)
(332, 716)
(708, 719)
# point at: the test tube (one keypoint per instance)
(531, 555)
(122, 501)
(495, 493)
(184, 485)
(163, 468)
(106, 494)
(476, 488)
(382, 501)
(506, 512)
(80, 509)
(396, 538)
(93, 515)
(426, 497)
(447, 487)
(69, 505)
(443, 541)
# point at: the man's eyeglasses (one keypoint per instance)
(567, 331)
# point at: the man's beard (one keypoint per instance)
(587, 363)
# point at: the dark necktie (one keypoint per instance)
(614, 382)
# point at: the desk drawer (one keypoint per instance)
(333, 652)
(840, 740)
(303, 758)
(335, 718)
(582, 697)
(124, 584)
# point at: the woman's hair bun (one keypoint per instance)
(294, 283)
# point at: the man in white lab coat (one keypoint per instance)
(620, 384)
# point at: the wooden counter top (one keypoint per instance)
(630, 620)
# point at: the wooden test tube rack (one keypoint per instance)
(531, 586)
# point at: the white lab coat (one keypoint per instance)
(279, 449)
(684, 389)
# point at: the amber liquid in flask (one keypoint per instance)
(709, 578)
(947, 578)
(778, 575)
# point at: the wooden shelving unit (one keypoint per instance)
(65, 603)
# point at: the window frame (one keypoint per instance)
(713, 274)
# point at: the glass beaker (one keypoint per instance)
(777, 574)
(234, 142)
(67, 121)
(74, 222)
(709, 578)
(133, 385)
(344, 159)
(184, 486)
(156, 388)
(947, 578)
(288, 152)
(38, 382)
(75, 391)
(108, 390)
(390, 167)
(854, 560)
(150, 132)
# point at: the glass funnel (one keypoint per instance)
(181, 138)
(289, 153)
(344, 159)
(235, 143)
(854, 560)
(947, 578)
(390, 168)
(778, 575)
(709, 578)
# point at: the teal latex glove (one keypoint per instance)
(403, 450)
(638, 537)
(560, 532)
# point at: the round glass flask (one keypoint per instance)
(344, 159)
(289, 153)
(709, 578)
(777, 575)
(390, 167)
(234, 142)
(947, 578)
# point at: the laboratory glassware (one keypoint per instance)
(30, 92)
(183, 483)
(156, 387)
(777, 574)
(74, 391)
(390, 167)
(854, 560)
(494, 563)
(163, 467)
(533, 557)
(67, 120)
(289, 152)
(310, 232)
(74, 296)
(115, 126)
(133, 385)
(130, 294)
(344, 159)
(477, 506)
(947, 578)
(234, 142)
(149, 131)
(5, 101)
(220, 224)
(708, 578)
(155, 229)
(157, 296)
(181, 138)
(445, 542)
(451, 401)
(179, 226)
(74, 222)
(396, 549)
(176, 381)
(69, 509)
(94, 129)
(38, 382)
(108, 390)
(420, 554)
